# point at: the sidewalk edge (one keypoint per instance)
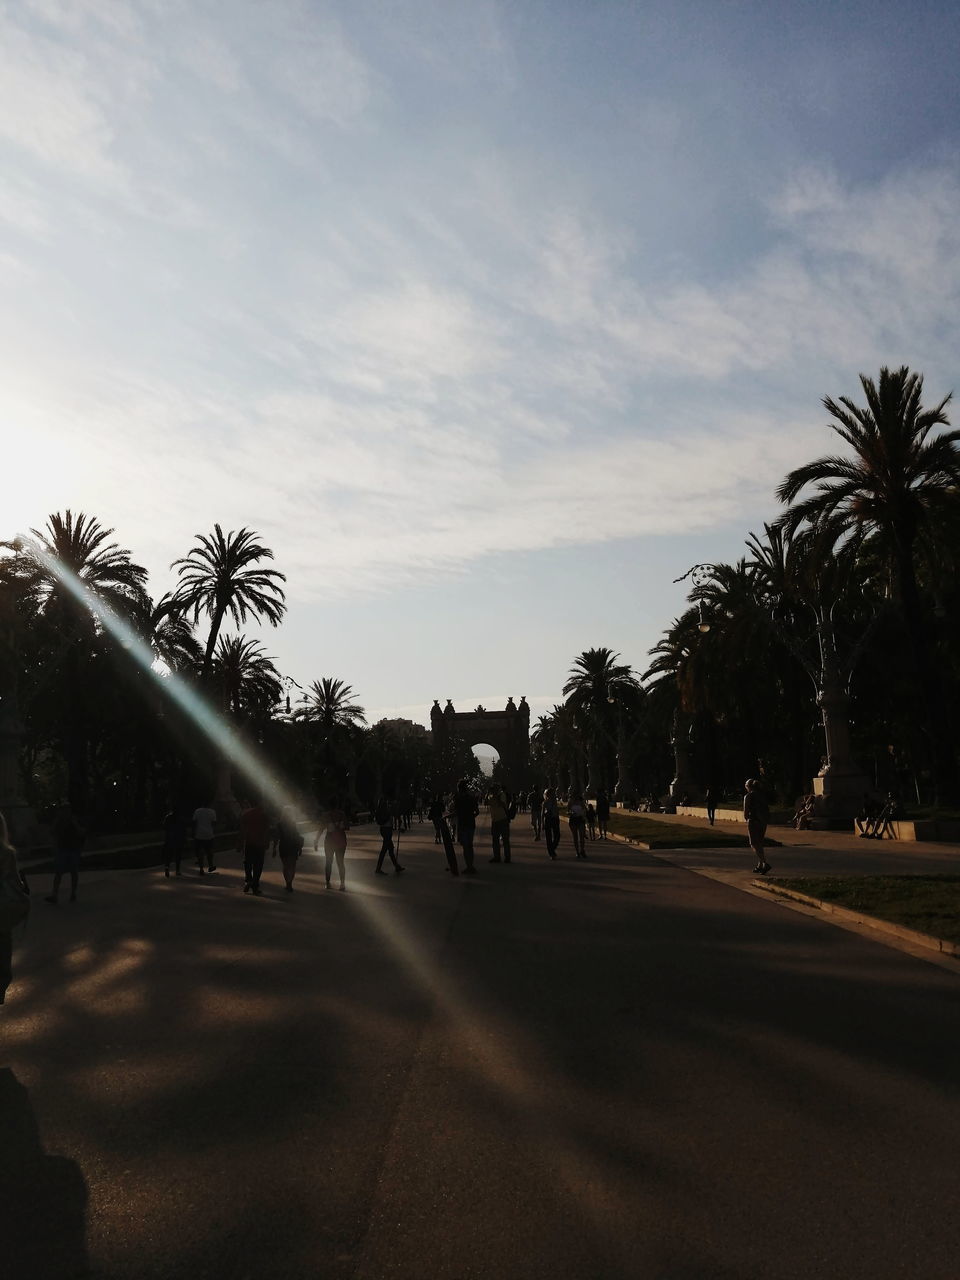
(861, 917)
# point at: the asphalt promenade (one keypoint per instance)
(615, 1068)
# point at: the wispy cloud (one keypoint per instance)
(391, 353)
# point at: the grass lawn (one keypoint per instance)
(671, 835)
(929, 904)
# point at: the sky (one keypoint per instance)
(491, 318)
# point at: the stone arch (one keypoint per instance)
(507, 731)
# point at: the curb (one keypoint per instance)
(861, 917)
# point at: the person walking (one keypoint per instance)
(175, 829)
(384, 820)
(335, 846)
(577, 817)
(535, 803)
(14, 905)
(466, 808)
(289, 844)
(204, 828)
(756, 812)
(435, 813)
(500, 816)
(591, 821)
(68, 837)
(710, 800)
(551, 822)
(603, 813)
(254, 841)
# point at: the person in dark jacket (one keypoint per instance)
(466, 808)
(289, 845)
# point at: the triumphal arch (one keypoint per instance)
(508, 731)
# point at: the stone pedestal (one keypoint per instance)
(840, 794)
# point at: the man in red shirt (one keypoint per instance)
(254, 840)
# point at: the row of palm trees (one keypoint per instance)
(831, 647)
(74, 700)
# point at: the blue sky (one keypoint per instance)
(490, 318)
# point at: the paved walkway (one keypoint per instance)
(602, 1069)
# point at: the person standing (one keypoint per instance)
(756, 812)
(466, 808)
(384, 820)
(577, 817)
(68, 836)
(289, 844)
(551, 822)
(335, 847)
(499, 823)
(254, 842)
(204, 828)
(535, 802)
(14, 905)
(175, 827)
(603, 813)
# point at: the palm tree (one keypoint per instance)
(899, 478)
(330, 705)
(597, 685)
(249, 681)
(219, 576)
(170, 635)
(74, 553)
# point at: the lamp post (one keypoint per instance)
(683, 783)
(623, 790)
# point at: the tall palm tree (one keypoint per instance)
(596, 686)
(899, 477)
(79, 544)
(221, 575)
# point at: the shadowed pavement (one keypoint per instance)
(612, 1068)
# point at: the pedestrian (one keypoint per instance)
(335, 846)
(175, 828)
(535, 804)
(204, 828)
(466, 808)
(289, 844)
(710, 799)
(68, 837)
(591, 821)
(577, 817)
(254, 836)
(756, 812)
(14, 905)
(384, 820)
(603, 813)
(500, 815)
(551, 822)
(435, 813)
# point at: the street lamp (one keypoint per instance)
(700, 573)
